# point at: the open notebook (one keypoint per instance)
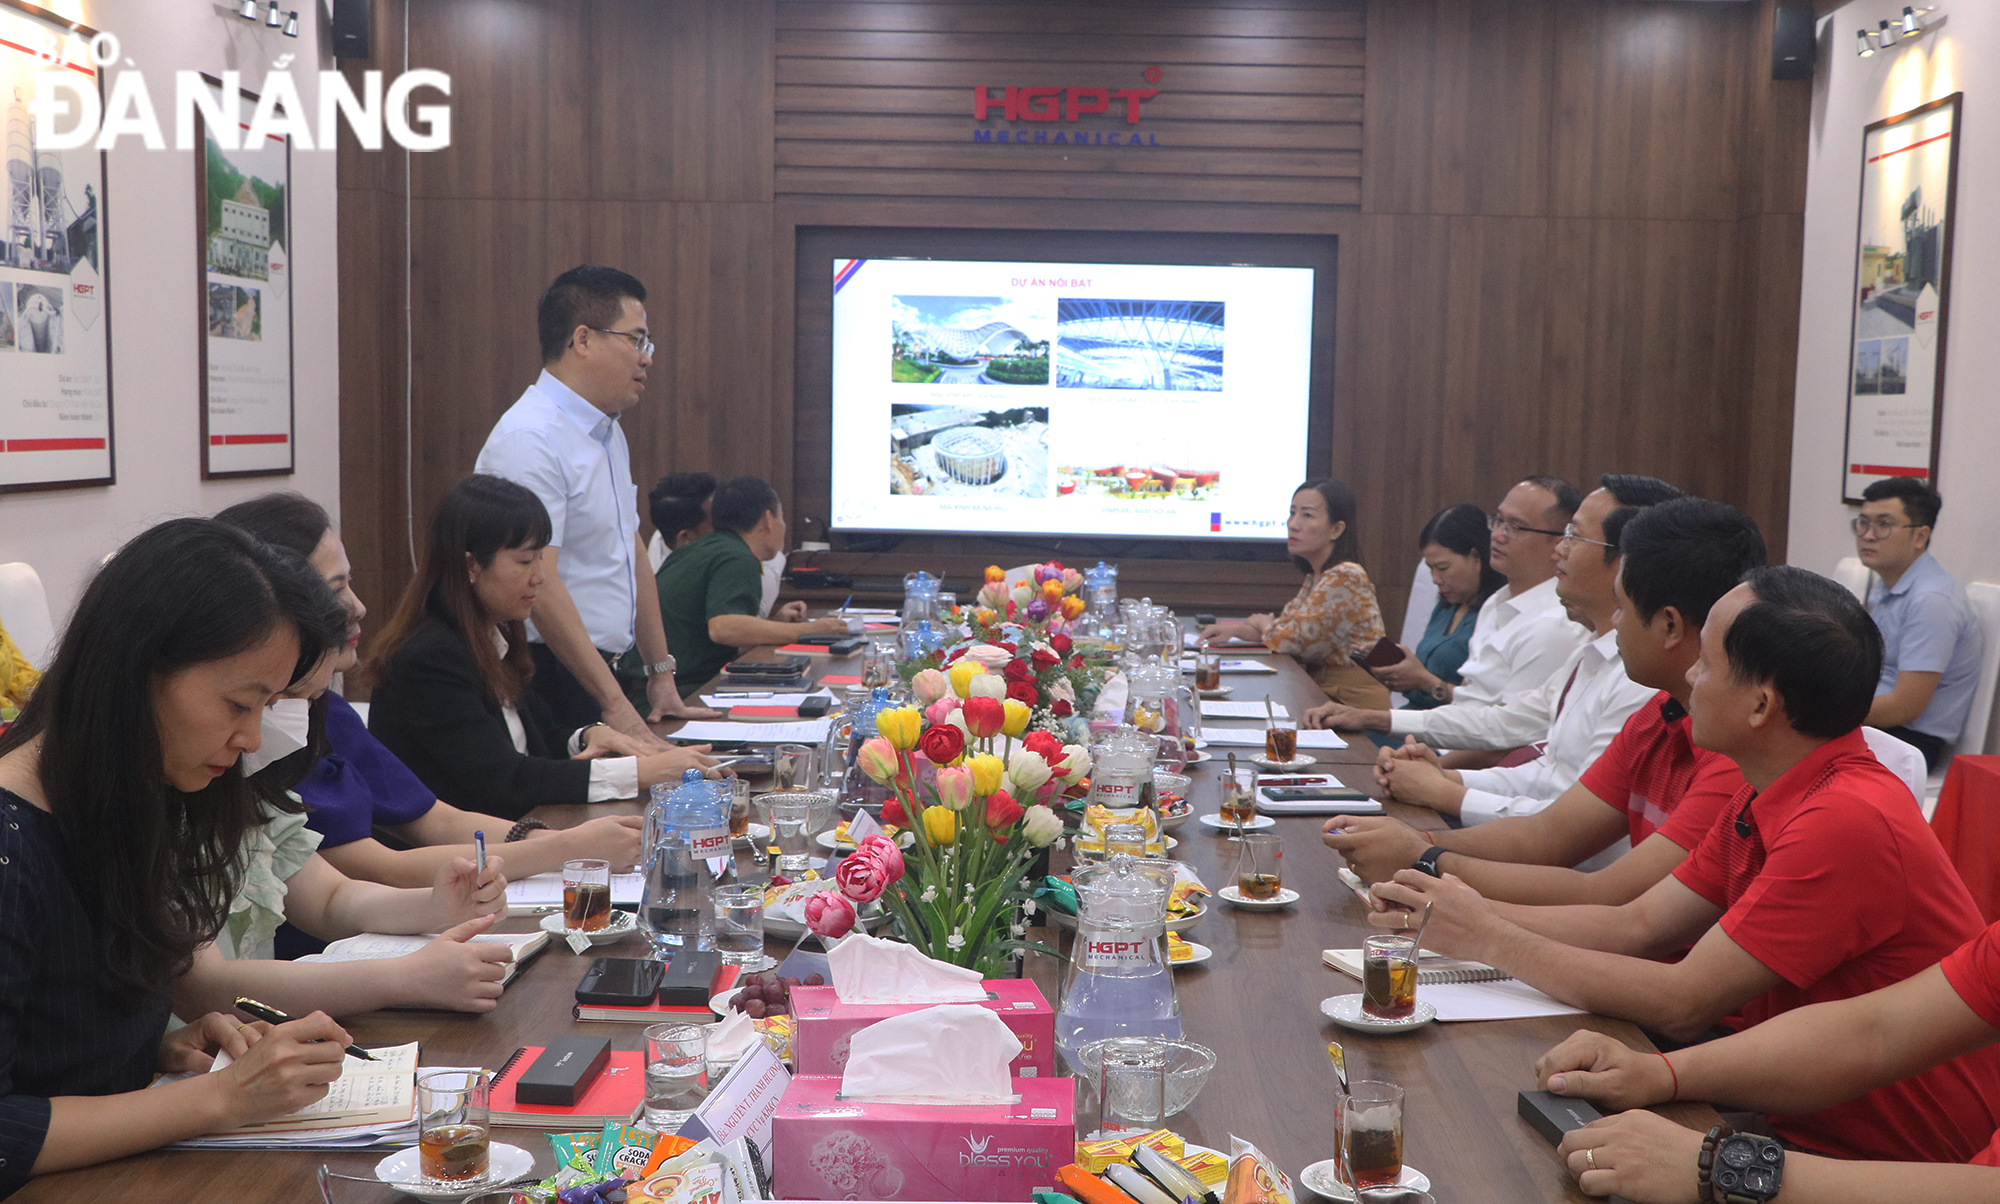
(1465, 990)
(382, 1092)
(372, 945)
(1432, 968)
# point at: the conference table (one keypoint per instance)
(1255, 1002)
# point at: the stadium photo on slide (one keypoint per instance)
(1125, 344)
(959, 450)
(969, 341)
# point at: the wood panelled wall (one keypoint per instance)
(1569, 232)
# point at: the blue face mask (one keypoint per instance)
(287, 724)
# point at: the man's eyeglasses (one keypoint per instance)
(644, 344)
(1513, 530)
(1569, 535)
(1880, 527)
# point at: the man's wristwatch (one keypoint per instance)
(1441, 691)
(1428, 863)
(662, 666)
(1739, 1168)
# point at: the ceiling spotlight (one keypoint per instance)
(291, 25)
(1885, 34)
(273, 19)
(1867, 48)
(1910, 24)
(249, 9)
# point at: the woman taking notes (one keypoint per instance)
(452, 669)
(1335, 609)
(121, 813)
(1454, 547)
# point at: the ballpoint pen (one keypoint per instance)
(479, 856)
(271, 1015)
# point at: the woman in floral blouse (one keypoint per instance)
(1335, 609)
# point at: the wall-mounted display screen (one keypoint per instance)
(1069, 398)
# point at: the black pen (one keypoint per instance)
(271, 1015)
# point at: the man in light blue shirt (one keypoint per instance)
(1931, 643)
(563, 442)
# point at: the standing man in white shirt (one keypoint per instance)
(1522, 635)
(563, 442)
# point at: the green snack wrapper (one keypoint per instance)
(568, 1146)
(1058, 894)
(624, 1147)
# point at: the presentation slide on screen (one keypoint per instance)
(1069, 398)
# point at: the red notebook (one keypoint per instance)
(763, 712)
(840, 679)
(617, 1093)
(806, 650)
(660, 1013)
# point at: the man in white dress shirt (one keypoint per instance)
(562, 441)
(1521, 637)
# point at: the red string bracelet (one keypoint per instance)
(1670, 1070)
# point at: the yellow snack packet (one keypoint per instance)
(1094, 1156)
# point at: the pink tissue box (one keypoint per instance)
(824, 1026)
(826, 1148)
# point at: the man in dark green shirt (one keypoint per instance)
(710, 589)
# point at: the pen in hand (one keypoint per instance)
(271, 1015)
(479, 853)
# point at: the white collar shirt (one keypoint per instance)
(1583, 706)
(574, 457)
(1517, 644)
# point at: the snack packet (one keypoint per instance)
(624, 1147)
(669, 1145)
(1253, 1178)
(1094, 1156)
(568, 1146)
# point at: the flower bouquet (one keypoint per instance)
(973, 784)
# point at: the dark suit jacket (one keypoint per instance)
(433, 711)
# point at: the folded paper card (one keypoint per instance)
(867, 969)
(954, 1053)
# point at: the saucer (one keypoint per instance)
(1345, 1010)
(1299, 762)
(1216, 821)
(1285, 897)
(621, 925)
(1323, 1178)
(756, 833)
(505, 1164)
(1219, 692)
(1198, 954)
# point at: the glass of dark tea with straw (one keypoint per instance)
(586, 895)
(453, 1126)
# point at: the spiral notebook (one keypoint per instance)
(617, 1093)
(1433, 969)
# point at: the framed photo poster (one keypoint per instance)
(1902, 296)
(243, 219)
(55, 312)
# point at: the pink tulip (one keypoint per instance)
(829, 914)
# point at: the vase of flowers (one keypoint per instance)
(973, 784)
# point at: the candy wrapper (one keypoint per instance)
(569, 1146)
(623, 1148)
(1094, 1156)
(700, 1184)
(669, 1146)
(1253, 1178)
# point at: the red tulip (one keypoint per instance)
(983, 716)
(942, 743)
(893, 813)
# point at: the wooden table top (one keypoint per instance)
(1255, 1003)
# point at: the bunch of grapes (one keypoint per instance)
(769, 995)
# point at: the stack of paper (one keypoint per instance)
(370, 946)
(1214, 709)
(717, 731)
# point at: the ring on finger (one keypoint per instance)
(1590, 1159)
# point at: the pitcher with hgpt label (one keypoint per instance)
(1118, 984)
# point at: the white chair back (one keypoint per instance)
(1899, 757)
(24, 610)
(1985, 599)
(1423, 599)
(1851, 573)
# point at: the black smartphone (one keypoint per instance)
(1314, 794)
(620, 981)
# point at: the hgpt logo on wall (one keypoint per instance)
(1017, 103)
(70, 114)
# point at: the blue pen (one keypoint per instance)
(479, 851)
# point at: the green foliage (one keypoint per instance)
(908, 372)
(1019, 370)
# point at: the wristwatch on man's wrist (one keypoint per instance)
(662, 666)
(1739, 1168)
(1428, 863)
(1441, 691)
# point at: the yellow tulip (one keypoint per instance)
(961, 676)
(987, 770)
(900, 726)
(940, 825)
(1052, 591)
(988, 617)
(1017, 717)
(1072, 606)
(995, 573)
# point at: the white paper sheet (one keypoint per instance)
(1253, 737)
(761, 698)
(804, 731)
(1247, 667)
(1216, 709)
(1510, 1000)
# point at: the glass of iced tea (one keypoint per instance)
(1258, 874)
(1281, 739)
(586, 895)
(1239, 796)
(1389, 976)
(1371, 1133)
(792, 767)
(739, 810)
(453, 1126)
(1207, 669)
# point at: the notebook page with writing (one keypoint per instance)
(1509, 1000)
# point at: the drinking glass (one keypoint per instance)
(454, 1127)
(1132, 1086)
(739, 924)
(792, 767)
(676, 1083)
(1392, 1194)
(1124, 838)
(1370, 1121)
(794, 816)
(1239, 795)
(1281, 739)
(739, 810)
(1389, 976)
(1258, 875)
(586, 895)
(878, 666)
(1207, 669)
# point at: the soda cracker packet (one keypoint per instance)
(569, 1146)
(1253, 1178)
(623, 1148)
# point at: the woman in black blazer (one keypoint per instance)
(451, 672)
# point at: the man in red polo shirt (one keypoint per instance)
(1820, 881)
(1652, 786)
